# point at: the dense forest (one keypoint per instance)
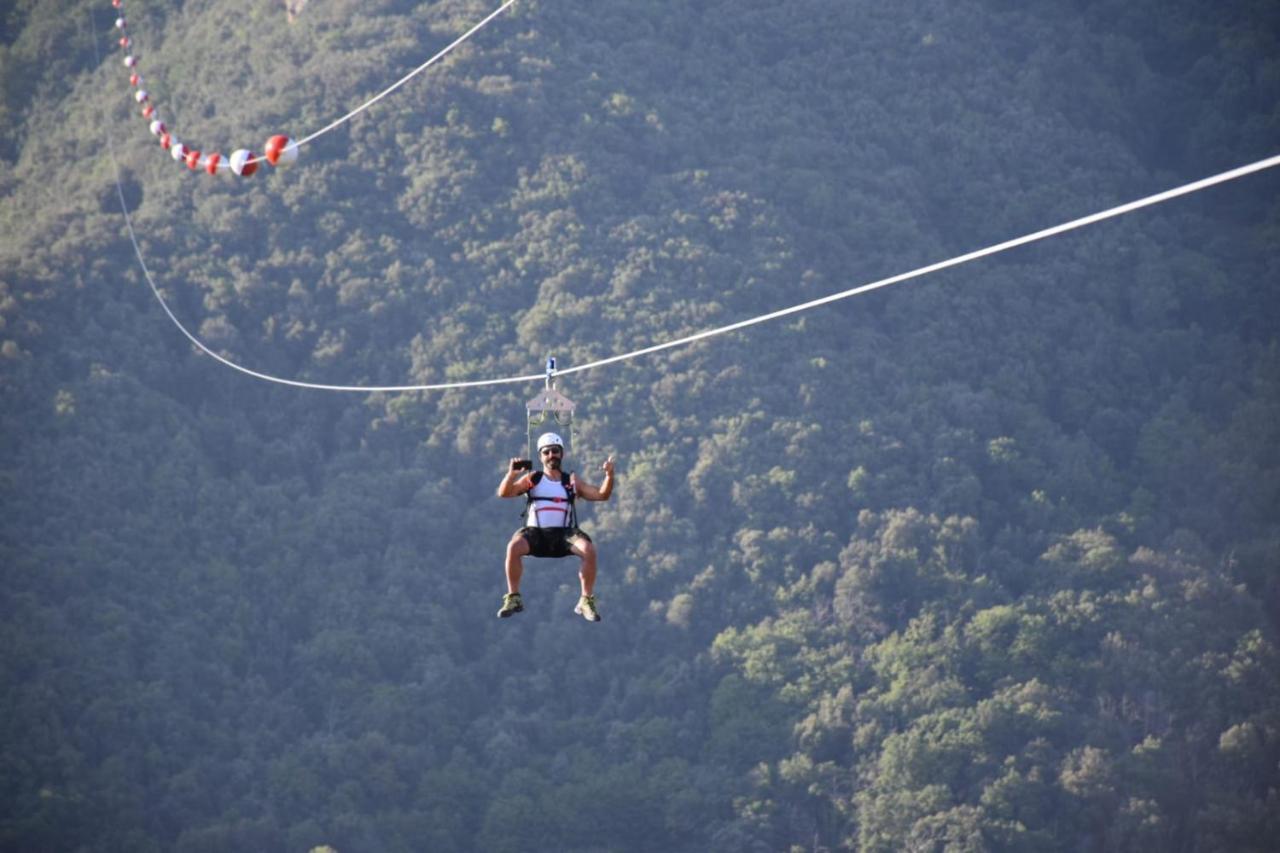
(985, 561)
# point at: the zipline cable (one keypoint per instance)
(406, 78)
(1110, 213)
(1081, 222)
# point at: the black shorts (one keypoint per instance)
(551, 541)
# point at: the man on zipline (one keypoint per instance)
(551, 522)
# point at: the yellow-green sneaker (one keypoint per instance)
(587, 608)
(511, 603)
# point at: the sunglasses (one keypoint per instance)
(550, 451)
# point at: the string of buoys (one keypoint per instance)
(279, 150)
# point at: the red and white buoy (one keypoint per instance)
(130, 61)
(165, 140)
(178, 151)
(121, 23)
(193, 160)
(243, 163)
(281, 151)
(158, 128)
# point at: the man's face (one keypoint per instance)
(551, 456)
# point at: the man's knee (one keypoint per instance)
(518, 546)
(586, 549)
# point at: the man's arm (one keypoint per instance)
(513, 484)
(592, 493)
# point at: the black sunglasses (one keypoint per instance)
(546, 450)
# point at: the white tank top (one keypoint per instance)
(550, 507)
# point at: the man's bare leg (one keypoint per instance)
(511, 602)
(587, 575)
(517, 549)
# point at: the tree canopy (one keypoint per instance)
(986, 561)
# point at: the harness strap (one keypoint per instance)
(566, 482)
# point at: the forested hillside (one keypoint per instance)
(984, 561)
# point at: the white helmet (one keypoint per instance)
(548, 439)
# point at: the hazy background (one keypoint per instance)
(986, 561)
